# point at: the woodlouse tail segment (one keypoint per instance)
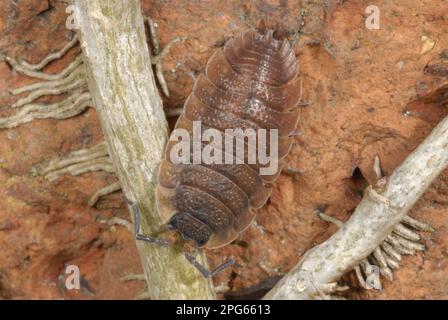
(136, 212)
(279, 32)
(261, 26)
(207, 273)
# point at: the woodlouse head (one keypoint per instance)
(190, 228)
(280, 32)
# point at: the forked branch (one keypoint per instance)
(375, 218)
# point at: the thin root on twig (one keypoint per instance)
(117, 221)
(159, 55)
(67, 108)
(145, 295)
(103, 192)
(133, 277)
(71, 81)
(403, 240)
(51, 57)
(78, 162)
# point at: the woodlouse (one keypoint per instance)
(250, 83)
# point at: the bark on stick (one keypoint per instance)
(121, 81)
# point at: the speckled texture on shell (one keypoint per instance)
(251, 83)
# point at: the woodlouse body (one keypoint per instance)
(250, 83)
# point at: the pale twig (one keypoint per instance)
(388, 253)
(135, 129)
(372, 222)
(330, 219)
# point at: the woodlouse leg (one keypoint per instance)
(207, 273)
(136, 212)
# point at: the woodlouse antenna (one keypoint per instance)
(136, 212)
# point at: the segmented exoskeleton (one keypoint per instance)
(251, 83)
